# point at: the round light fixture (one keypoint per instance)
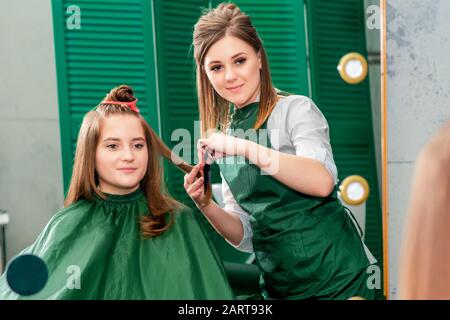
(352, 68)
(354, 190)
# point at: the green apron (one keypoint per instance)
(305, 246)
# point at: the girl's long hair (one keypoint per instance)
(425, 261)
(227, 19)
(84, 180)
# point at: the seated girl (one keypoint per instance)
(121, 231)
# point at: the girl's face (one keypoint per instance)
(121, 156)
(232, 67)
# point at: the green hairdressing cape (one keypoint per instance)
(100, 240)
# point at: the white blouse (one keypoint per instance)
(295, 126)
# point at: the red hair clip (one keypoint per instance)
(130, 104)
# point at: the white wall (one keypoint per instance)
(418, 100)
(30, 156)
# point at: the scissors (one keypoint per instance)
(208, 159)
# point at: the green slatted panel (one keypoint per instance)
(281, 26)
(107, 51)
(336, 28)
(174, 22)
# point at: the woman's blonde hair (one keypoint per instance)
(214, 25)
(425, 261)
(84, 180)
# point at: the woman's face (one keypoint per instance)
(232, 67)
(121, 156)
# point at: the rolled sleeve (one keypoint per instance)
(308, 132)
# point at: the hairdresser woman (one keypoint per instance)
(279, 190)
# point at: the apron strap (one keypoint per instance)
(369, 255)
(354, 221)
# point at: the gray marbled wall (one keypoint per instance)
(418, 92)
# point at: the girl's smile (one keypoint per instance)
(127, 170)
(235, 89)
